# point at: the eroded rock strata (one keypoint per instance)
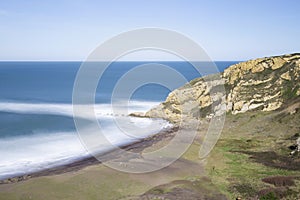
(262, 84)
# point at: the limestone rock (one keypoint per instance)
(273, 106)
(286, 76)
(262, 84)
(257, 68)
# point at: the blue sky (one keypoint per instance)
(71, 29)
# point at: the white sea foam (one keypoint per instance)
(119, 108)
(38, 108)
(27, 153)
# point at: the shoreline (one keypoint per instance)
(139, 146)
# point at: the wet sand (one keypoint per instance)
(163, 136)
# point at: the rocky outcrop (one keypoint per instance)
(262, 84)
(295, 148)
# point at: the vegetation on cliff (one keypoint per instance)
(257, 155)
(264, 84)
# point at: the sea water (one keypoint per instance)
(37, 129)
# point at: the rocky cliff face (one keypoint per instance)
(264, 84)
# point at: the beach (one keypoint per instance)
(89, 179)
(150, 142)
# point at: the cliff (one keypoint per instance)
(264, 84)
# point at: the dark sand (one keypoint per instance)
(164, 135)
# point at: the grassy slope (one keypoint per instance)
(254, 146)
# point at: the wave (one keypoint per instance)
(118, 108)
(37, 108)
(24, 154)
(21, 155)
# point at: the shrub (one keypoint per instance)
(279, 181)
(269, 196)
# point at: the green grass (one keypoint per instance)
(236, 169)
(289, 90)
(232, 170)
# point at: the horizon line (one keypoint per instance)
(121, 61)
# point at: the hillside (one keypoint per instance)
(264, 84)
(257, 154)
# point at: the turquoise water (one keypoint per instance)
(37, 130)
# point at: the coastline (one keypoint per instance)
(90, 179)
(164, 135)
(246, 162)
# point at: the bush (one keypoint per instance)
(269, 196)
(279, 181)
(272, 193)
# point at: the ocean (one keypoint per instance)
(37, 130)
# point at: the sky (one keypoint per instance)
(72, 29)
